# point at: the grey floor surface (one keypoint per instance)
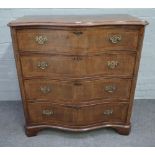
(142, 133)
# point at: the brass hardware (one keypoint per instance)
(108, 112)
(78, 33)
(77, 83)
(77, 58)
(112, 64)
(45, 89)
(110, 88)
(42, 65)
(115, 39)
(41, 40)
(47, 112)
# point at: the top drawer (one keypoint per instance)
(77, 40)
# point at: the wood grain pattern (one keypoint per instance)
(77, 90)
(78, 66)
(64, 76)
(77, 40)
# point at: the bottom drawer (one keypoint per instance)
(43, 113)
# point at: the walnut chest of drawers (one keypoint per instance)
(77, 73)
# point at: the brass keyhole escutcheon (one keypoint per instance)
(77, 58)
(78, 33)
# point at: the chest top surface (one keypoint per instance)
(78, 20)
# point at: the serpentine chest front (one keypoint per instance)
(77, 73)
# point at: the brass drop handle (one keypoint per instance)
(112, 64)
(41, 39)
(45, 89)
(110, 88)
(78, 33)
(108, 112)
(47, 112)
(42, 65)
(115, 39)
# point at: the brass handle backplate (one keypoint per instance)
(110, 88)
(115, 39)
(41, 40)
(112, 64)
(45, 89)
(42, 65)
(47, 112)
(108, 112)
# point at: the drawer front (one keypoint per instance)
(75, 40)
(48, 113)
(102, 113)
(78, 66)
(78, 90)
(87, 115)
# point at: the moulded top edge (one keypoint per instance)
(78, 20)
